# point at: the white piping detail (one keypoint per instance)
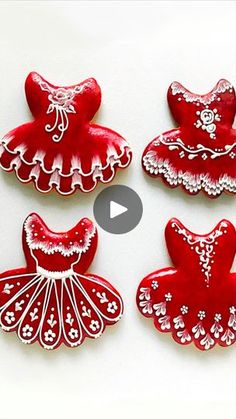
(36, 294)
(46, 285)
(216, 334)
(49, 248)
(203, 246)
(61, 99)
(80, 335)
(101, 322)
(54, 274)
(46, 303)
(206, 121)
(192, 183)
(199, 148)
(94, 281)
(113, 159)
(221, 87)
(36, 280)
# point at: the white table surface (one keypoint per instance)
(134, 50)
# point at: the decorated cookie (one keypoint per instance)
(60, 149)
(53, 300)
(195, 299)
(201, 153)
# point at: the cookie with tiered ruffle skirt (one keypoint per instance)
(201, 153)
(61, 149)
(195, 299)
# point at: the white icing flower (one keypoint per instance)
(61, 96)
(154, 285)
(201, 314)
(10, 317)
(232, 310)
(184, 309)
(168, 296)
(27, 331)
(49, 335)
(73, 333)
(94, 325)
(217, 317)
(112, 307)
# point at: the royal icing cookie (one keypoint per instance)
(195, 299)
(61, 149)
(201, 153)
(53, 300)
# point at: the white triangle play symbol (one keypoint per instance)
(116, 209)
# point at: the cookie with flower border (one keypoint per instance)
(201, 153)
(53, 300)
(61, 149)
(195, 299)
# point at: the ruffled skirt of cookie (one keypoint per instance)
(211, 169)
(57, 311)
(204, 316)
(76, 164)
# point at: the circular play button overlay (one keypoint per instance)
(118, 209)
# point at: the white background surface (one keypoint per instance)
(135, 51)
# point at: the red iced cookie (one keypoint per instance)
(60, 148)
(201, 153)
(195, 299)
(53, 300)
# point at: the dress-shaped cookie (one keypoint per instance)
(60, 148)
(201, 153)
(53, 300)
(195, 300)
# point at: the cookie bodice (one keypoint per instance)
(53, 252)
(204, 115)
(202, 256)
(81, 100)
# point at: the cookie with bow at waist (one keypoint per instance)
(61, 149)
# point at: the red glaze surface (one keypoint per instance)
(60, 149)
(53, 300)
(201, 153)
(195, 300)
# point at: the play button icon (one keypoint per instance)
(118, 209)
